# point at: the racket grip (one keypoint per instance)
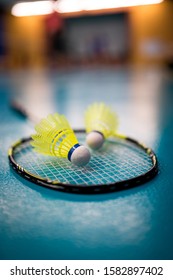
(22, 112)
(19, 109)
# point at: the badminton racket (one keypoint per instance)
(121, 163)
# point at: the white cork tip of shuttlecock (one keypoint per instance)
(95, 140)
(81, 156)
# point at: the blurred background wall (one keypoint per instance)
(138, 35)
(152, 33)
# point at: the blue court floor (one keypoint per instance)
(38, 223)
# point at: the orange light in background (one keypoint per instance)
(70, 6)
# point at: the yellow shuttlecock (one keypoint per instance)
(100, 123)
(55, 137)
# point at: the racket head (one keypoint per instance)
(121, 164)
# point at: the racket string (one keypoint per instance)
(115, 162)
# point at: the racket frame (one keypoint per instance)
(83, 189)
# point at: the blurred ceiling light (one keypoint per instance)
(69, 6)
(32, 8)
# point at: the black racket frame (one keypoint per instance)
(83, 189)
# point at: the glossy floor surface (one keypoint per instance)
(38, 223)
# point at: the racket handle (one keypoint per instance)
(22, 112)
(19, 109)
